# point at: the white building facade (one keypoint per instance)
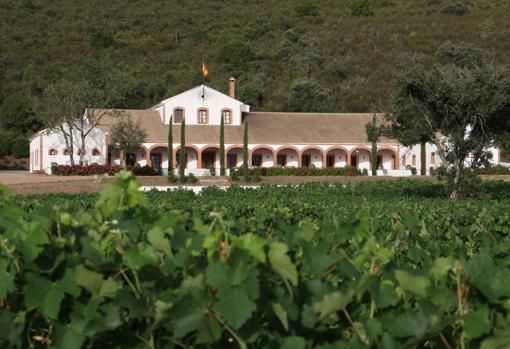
(274, 139)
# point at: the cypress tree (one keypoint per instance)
(423, 158)
(245, 151)
(373, 138)
(182, 151)
(170, 148)
(222, 147)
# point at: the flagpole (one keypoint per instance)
(203, 81)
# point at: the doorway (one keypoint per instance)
(330, 161)
(231, 160)
(306, 160)
(156, 160)
(208, 159)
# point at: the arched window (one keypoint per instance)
(178, 115)
(66, 152)
(203, 116)
(52, 152)
(96, 152)
(226, 114)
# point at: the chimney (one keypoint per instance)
(232, 90)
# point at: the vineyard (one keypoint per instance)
(318, 266)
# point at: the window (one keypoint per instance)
(178, 115)
(96, 152)
(226, 114)
(433, 158)
(66, 152)
(52, 152)
(202, 116)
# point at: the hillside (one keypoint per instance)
(349, 47)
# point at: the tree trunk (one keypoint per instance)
(423, 158)
(456, 193)
(122, 156)
(373, 158)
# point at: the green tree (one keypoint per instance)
(373, 134)
(462, 111)
(127, 135)
(222, 146)
(182, 151)
(170, 148)
(309, 96)
(361, 8)
(245, 150)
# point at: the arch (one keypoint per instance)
(157, 145)
(188, 146)
(182, 116)
(356, 162)
(339, 147)
(332, 149)
(285, 160)
(235, 158)
(206, 120)
(313, 147)
(271, 150)
(394, 154)
(52, 152)
(234, 146)
(230, 116)
(206, 159)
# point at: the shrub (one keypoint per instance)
(307, 8)
(361, 8)
(192, 178)
(301, 171)
(455, 9)
(96, 169)
(414, 172)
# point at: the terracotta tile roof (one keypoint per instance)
(264, 128)
(309, 128)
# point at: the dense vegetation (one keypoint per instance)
(316, 266)
(300, 55)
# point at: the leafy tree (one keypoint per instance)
(307, 8)
(182, 151)
(245, 150)
(361, 8)
(423, 158)
(222, 146)
(462, 55)
(234, 53)
(60, 105)
(127, 135)
(456, 9)
(373, 134)
(308, 96)
(461, 111)
(170, 148)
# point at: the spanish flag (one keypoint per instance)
(205, 70)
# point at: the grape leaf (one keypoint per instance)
(234, 306)
(281, 262)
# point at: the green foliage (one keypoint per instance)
(309, 96)
(307, 8)
(361, 8)
(455, 8)
(222, 146)
(297, 171)
(182, 152)
(462, 55)
(282, 267)
(170, 153)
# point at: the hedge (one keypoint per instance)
(96, 169)
(300, 171)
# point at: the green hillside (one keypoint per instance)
(348, 47)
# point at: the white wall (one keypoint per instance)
(54, 139)
(191, 101)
